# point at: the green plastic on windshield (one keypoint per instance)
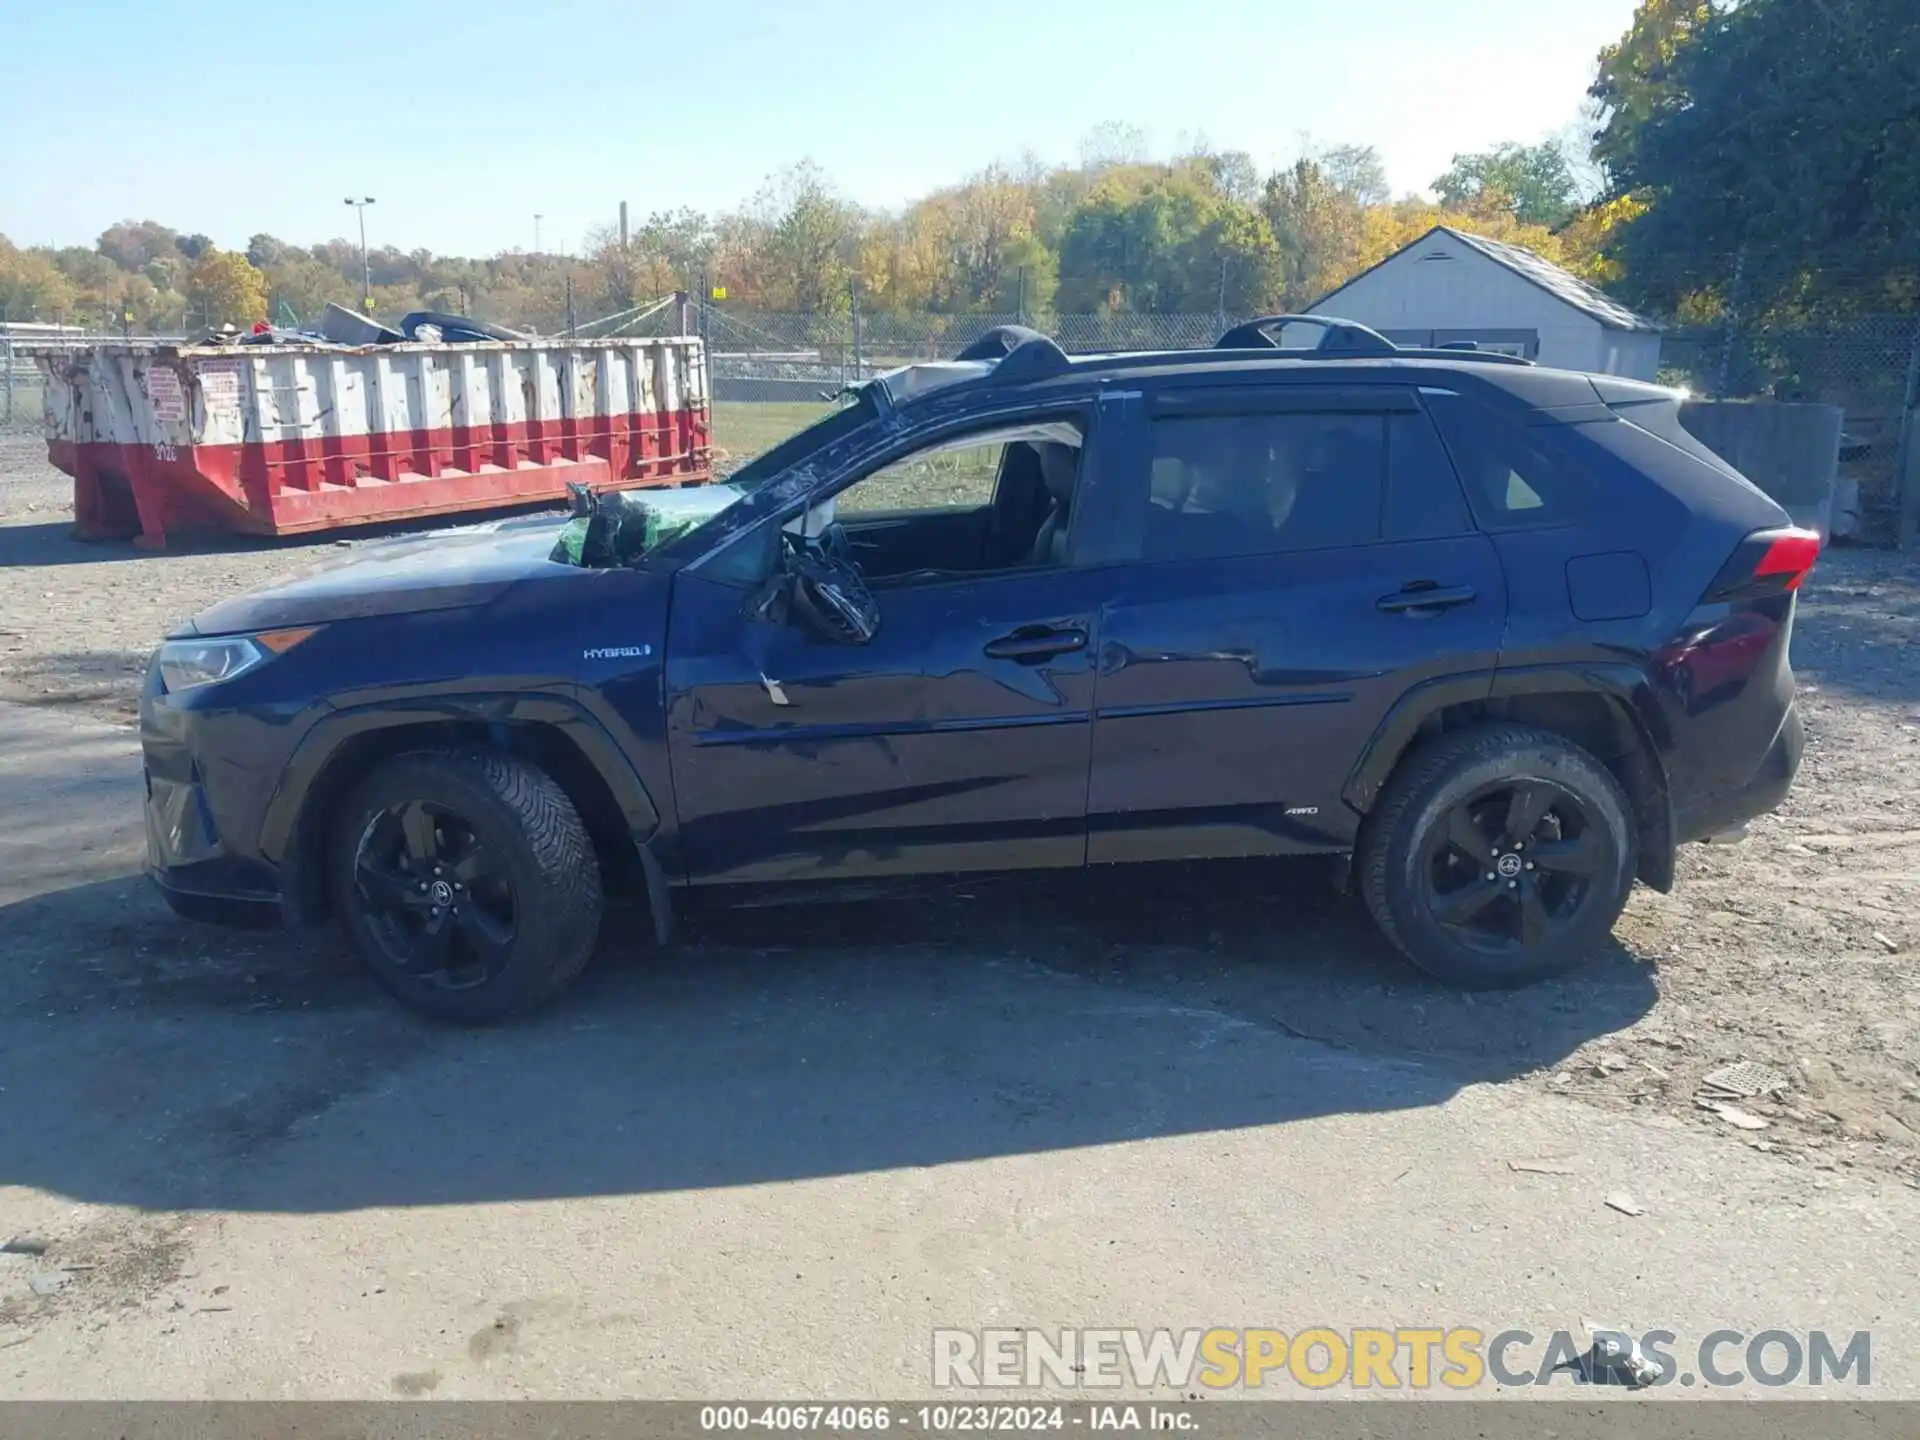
(627, 524)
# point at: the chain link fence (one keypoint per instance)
(1868, 366)
(20, 407)
(763, 356)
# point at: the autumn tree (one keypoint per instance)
(134, 244)
(224, 289)
(1639, 78)
(1773, 140)
(1111, 143)
(1317, 225)
(1535, 181)
(300, 284)
(1199, 232)
(266, 251)
(810, 238)
(1589, 241)
(31, 285)
(1170, 244)
(1355, 171)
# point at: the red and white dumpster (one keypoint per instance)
(280, 439)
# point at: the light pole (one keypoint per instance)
(366, 265)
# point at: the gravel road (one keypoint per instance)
(769, 1161)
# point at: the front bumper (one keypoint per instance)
(191, 867)
(1763, 792)
(208, 774)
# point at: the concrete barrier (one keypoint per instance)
(1791, 451)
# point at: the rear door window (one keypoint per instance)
(1253, 484)
(1515, 478)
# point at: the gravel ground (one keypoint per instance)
(1795, 950)
(771, 1159)
(79, 621)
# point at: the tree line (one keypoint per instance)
(1201, 232)
(1752, 157)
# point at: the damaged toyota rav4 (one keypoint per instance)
(1502, 636)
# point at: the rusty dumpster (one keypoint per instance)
(286, 438)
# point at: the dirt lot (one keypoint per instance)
(1796, 950)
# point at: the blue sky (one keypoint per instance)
(464, 119)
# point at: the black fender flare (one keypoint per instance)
(284, 840)
(1400, 724)
(1643, 771)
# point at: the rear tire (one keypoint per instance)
(466, 883)
(1499, 855)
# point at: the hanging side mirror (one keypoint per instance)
(830, 597)
(820, 593)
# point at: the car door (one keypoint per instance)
(1305, 558)
(958, 738)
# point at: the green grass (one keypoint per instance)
(743, 429)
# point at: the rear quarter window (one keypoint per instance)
(1515, 476)
(1661, 419)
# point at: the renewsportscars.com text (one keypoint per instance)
(1411, 1358)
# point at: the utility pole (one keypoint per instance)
(366, 263)
(1220, 309)
(854, 286)
(1020, 297)
(537, 218)
(623, 227)
(706, 304)
(569, 302)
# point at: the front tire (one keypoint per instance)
(1499, 855)
(466, 883)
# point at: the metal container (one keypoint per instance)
(280, 439)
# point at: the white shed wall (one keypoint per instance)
(1443, 285)
(1633, 353)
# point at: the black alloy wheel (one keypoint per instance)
(1513, 865)
(1498, 854)
(439, 904)
(466, 882)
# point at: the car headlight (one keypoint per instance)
(189, 664)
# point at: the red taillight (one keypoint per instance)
(1789, 556)
(1767, 562)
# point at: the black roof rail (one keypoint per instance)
(1337, 337)
(1460, 350)
(999, 342)
(1023, 354)
(1349, 339)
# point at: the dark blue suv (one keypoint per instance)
(1505, 636)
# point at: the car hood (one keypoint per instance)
(403, 576)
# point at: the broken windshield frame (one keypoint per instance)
(628, 528)
(769, 481)
(774, 481)
(861, 407)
